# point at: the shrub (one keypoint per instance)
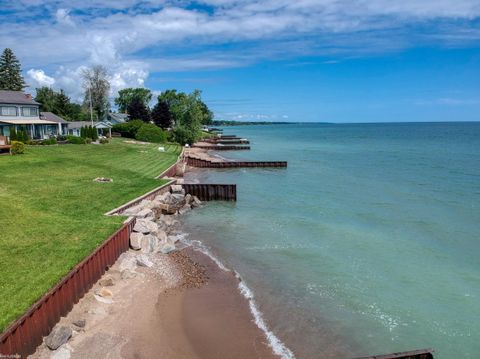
(104, 141)
(13, 134)
(128, 129)
(88, 140)
(151, 133)
(61, 138)
(17, 147)
(184, 135)
(76, 140)
(50, 141)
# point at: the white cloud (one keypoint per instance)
(38, 78)
(63, 17)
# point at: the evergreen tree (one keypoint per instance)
(13, 134)
(82, 132)
(138, 111)
(10, 72)
(62, 104)
(161, 115)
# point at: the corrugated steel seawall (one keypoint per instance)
(222, 148)
(24, 335)
(195, 162)
(212, 192)
(414, 354)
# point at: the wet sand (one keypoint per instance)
(183, 307)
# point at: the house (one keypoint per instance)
(61, 123)
(18, 110)
(104, 128)
(115, 118)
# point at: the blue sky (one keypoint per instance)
(271, 60)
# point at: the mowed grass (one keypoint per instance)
(52, 212)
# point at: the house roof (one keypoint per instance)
(34, 121)
(50, 116)
(16, 97)
(80, 124)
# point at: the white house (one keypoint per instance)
(18, 110)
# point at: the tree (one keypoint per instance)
(59, 103)
(126, 96)
(97, 87)
(138, 111)
(161, 115)
(47, 99)
(10, 72)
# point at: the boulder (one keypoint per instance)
(188, 198)
(176, 188)
(132, 210)
(145, 226)
(180, 169)
(167, 248)
(144, 261)
(146, 212)
(196, 202)
(58, 336)
(180, 181)
(127, 262)
(136, 240)
(178, 199)
(149, 243)
(184, 209)
(80, 323)
(103, 292)
(106, 282)
(161, 235)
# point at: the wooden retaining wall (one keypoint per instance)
(24, 335)
(195, 162)
(223, 148)
(414, 354)
(212, 192)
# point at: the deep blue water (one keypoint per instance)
(368, 243)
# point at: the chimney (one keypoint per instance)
(28, 96)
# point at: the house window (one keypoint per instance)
(29, 111)
(8, 111)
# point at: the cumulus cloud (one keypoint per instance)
(38, 78)
(133, 39)
(63, 17)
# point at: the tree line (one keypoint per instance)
(182, 113)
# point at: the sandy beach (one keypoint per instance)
(184, 306)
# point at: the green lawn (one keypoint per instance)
(51, 211)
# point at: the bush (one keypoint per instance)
(61, 138)
(103, 141)
(183, 135)
(76, 140)
(17, 147)
(88, 140)
(50, 141)
(151, 133)
(128, 129)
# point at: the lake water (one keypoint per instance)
(368, 243)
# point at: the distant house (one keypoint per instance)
(18, 110)
(103, 127)
(115, 118)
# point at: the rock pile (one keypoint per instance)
(155, 225)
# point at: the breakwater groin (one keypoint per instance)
(202, 163)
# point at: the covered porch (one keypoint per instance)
(36, 129)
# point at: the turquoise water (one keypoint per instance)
(367, 243)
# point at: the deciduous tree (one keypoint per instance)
(97, 87)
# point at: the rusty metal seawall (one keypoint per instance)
(24, 335)
(195, 162)
(413, 354)
(222, 148)
(212, 192)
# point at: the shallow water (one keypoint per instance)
(367, 243)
